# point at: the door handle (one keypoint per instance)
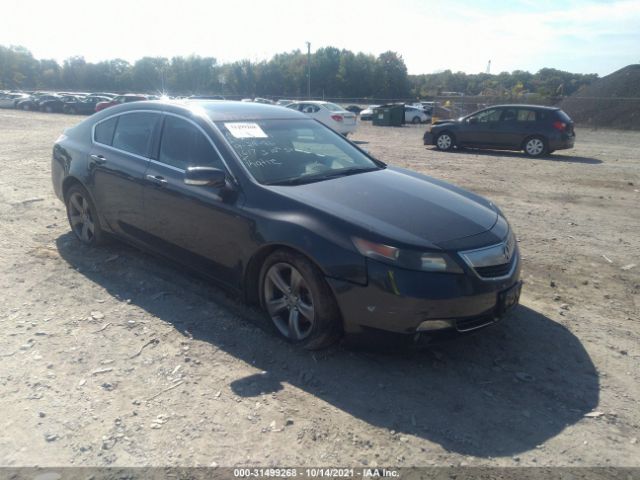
(99, 159)
(158, 180)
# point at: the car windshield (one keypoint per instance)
(332, 107)
(290, 152)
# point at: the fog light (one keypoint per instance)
(430, 325)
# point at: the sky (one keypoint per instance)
(581, 36)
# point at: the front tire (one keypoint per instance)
(83, 217)
(535, 147)
(298, 301)
(445, 141)
(415, 120)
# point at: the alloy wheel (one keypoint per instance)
(81, 217)
(289, 301)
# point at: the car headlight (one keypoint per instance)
(410, 259)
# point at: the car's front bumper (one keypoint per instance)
(408, 302)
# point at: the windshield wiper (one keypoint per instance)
(318, 177)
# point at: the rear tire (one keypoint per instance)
(83, 217)
(297, 300)
(535, 147)
(415, 120)
(445, 141)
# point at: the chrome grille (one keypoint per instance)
(495, 261)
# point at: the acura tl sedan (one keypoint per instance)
(535, 129)
(290, 215)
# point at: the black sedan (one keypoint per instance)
(292, 216)
(535, 129)
(34, 101)
(84, 106)
(55, 104)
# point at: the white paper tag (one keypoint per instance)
(245, 130)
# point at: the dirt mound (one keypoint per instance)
(612, 102)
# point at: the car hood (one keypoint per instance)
(399, 205)
(447, 121)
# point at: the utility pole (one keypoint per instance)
(308, 69)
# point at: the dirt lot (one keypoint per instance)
(113, 357)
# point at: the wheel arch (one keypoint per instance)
(451, 133)
(542, 137)
(72, 180)
(68, 182)
(254, 266)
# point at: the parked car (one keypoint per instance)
(367, 113)
(206, 97)
(266, 101)
(84, 106)
(291, 216)
(415, 115)
(102, 94)
(34, 101)
(332, 115)
(535, 129)
(426, 106)
(9, 100)
(56, 104)
(127, 98)
(283, 102)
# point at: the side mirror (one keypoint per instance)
(205, 177)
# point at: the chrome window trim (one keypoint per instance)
(104, 145)
(166, 165)
(148, 159)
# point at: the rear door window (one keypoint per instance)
(309, 108)
(183, 145)
(526, 115)
(509, 115)
(104, 131)
(134, 132)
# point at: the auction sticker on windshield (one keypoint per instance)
(245, 130)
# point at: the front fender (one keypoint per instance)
(331, 251)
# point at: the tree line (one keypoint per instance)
(335, 73)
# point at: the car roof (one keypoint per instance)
(216, 110)
(318, 102)
(523, 105)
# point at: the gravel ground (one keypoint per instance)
(114, 357)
